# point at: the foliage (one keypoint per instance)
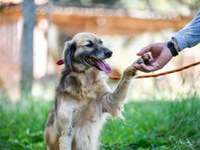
(152, 5)
(148, 124)
(90, 3)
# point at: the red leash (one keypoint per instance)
(162, 73)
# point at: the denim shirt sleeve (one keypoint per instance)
(189, 36)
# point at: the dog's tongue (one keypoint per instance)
(104, 66)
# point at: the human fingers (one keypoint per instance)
(144, 50)
(144, 68)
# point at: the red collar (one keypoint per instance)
(61, 62)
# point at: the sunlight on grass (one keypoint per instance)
(148, 124)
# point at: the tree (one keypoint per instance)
(27, 46)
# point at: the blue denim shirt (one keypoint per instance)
(189, 36)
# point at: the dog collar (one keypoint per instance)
(78, 71)
(61, 62)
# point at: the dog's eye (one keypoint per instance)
(101, 42)
(89, 44)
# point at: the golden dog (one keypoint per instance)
(83, 97)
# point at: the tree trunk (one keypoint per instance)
(27, 46)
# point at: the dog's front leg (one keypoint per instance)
(112, 102)
(65, 140)
(122, 88)
(65, 125)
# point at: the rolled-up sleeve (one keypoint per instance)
(189, 36)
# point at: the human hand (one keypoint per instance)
(160, 54)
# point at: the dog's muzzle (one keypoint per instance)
(99, 62)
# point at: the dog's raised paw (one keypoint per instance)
(130, 71)
(143, 59)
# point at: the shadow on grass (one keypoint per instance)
(147, 125)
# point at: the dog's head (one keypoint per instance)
(84, 51)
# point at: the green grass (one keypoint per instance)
(151, 124)
(155, 125)
(22, 124)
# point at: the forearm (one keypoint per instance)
(189, 36)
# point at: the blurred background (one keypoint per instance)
(32, 34)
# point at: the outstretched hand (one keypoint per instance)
(160, 56)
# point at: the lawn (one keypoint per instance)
(149, 124)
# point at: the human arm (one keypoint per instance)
(189, 36)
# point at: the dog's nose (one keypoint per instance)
(108, 54)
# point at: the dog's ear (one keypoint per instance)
(68, 53)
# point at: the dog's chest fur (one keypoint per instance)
(81, 101)
(80, 112)
(83, 86)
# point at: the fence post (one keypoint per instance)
(27, 46)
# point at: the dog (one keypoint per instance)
(83, 98)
